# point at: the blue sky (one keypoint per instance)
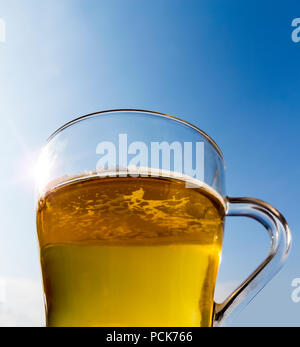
(230, 67)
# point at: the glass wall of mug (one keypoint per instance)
(130, 217)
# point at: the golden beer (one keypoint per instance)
(130, 251)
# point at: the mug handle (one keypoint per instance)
(280, 235)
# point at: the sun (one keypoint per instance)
(43, 169)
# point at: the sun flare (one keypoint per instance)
(43, 168)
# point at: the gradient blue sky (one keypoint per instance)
(230, 67)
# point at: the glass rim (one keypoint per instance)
(154, 113)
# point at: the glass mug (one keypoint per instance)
(130, 215)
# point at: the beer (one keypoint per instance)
(130, 251)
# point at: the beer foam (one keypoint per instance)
(190, 182)
(115, 209)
